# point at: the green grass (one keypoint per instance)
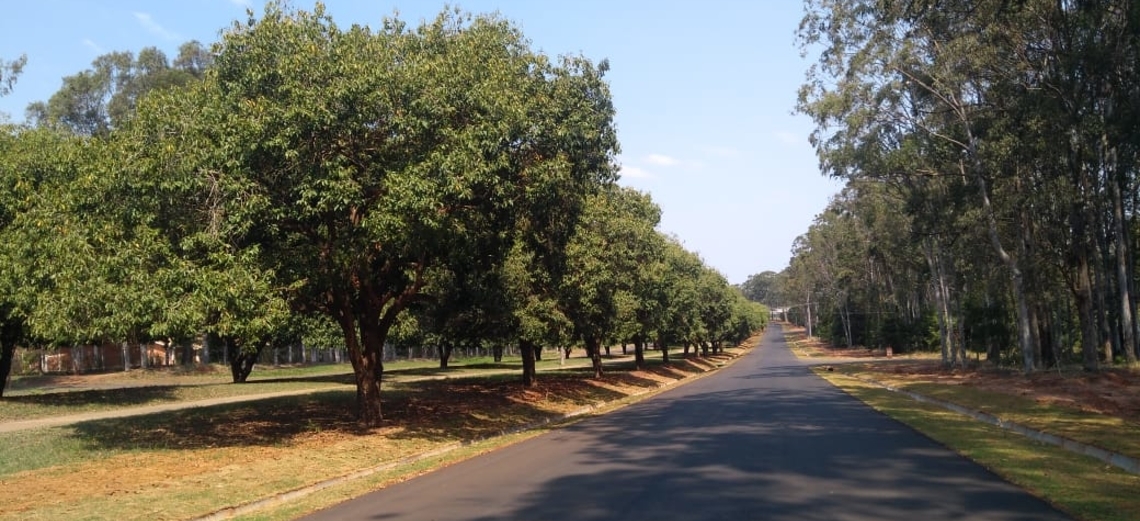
(187, 463)
(34, 406)
(173, 385)
(1084, 487)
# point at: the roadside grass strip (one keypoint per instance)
(1085, 487)
(223, 460)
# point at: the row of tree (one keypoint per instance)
(443, 184)
(990, 149)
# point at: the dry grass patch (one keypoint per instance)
(190, 462)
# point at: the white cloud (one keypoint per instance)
(634, 172)
(93, 46)
(150, 25)
(661, 160)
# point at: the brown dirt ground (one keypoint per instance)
(219, 448)
(1111, 391)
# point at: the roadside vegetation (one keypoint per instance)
(192, 462)
(1098, 410)
(358, 194)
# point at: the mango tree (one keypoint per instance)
(352, 161)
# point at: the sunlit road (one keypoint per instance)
(763, 439)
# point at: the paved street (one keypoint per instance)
(763, 439)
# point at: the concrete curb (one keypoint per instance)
(284, 497)
(1126, 463)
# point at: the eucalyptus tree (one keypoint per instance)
(893, 76)
(9, 71)
(96, 100)
(350, 162)
(1024, 104)
(761, 287)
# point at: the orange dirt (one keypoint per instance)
(219, 448)
(1111, 391)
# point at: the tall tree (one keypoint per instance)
(760, 287)
(354, 161)
(36, 166)
(9, 71)
(96, 100)
(612, 242)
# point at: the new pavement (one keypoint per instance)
(763, 439)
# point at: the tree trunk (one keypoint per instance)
(1024, 333)
(638, 352)
(663, 348)
(242, 360)
(206, 343)
(530, 373)
(10, 333)
(187, 352)
(7, 354)
(809, 316)
(933, 256)
(1128, 338)
(1083, 296)
(444, 354)
(365, 342)
(537, 353)
(594, 351)
(498, 353)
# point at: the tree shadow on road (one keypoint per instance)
(781, 452)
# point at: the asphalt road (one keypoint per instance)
(763, 439)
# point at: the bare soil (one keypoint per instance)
(1111, 391)
(193, 453)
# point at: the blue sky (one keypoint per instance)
(704, 94)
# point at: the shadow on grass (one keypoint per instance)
(340, 378)
(436, 410)
(122, 397)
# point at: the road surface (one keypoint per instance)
(763, 439)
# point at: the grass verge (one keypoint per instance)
(1084, 487)
(188, 463)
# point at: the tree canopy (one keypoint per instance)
(443, 183)
(998, 130)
